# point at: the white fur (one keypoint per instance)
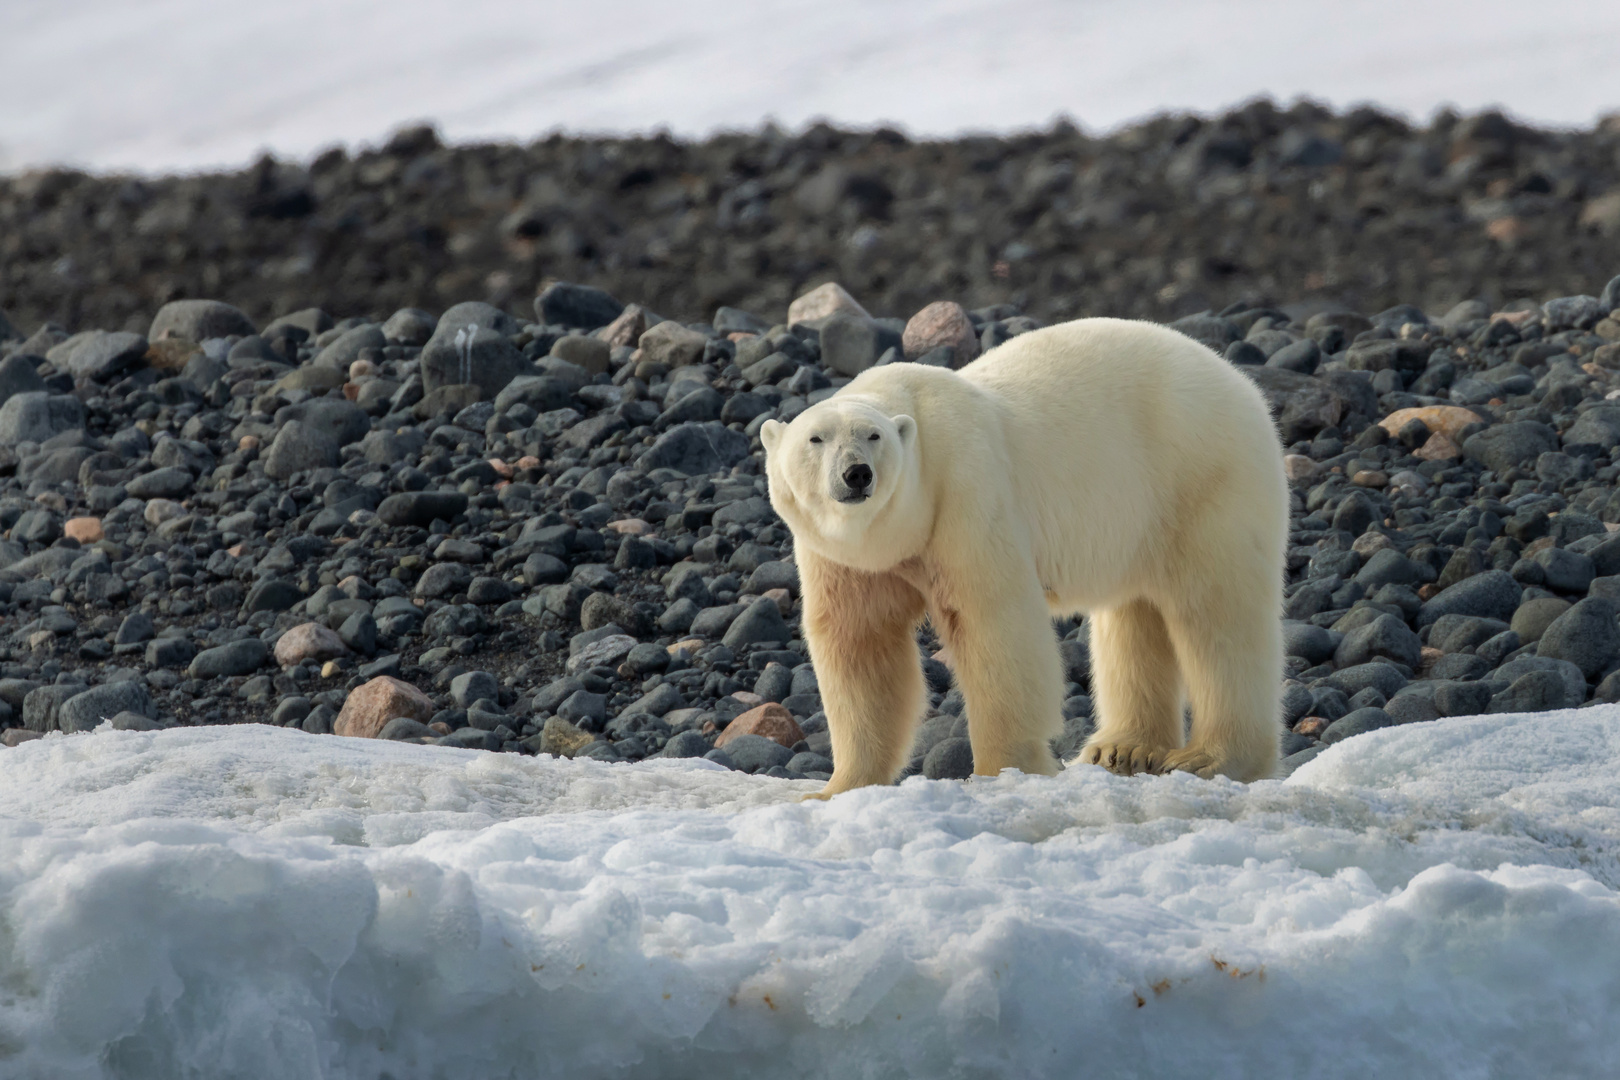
(1102, 466)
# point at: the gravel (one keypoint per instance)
(550, 516)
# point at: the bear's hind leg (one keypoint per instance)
(1137, 689)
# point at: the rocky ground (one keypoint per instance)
(552, 535)
(1160, 220)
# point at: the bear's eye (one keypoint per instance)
(872, 437)
(815, 438)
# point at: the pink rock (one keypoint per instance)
(86, 530)
(941, 323)
(770, 720)
(627, 328)
(824, 300)
(370, 706)
(1298, 467)
(308, 641)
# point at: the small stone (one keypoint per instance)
(421, 508)
(371, 705)
(566, 304)
(943, 323)
(1355, 723)
(769, 720)
(405, 727)
(760, 621)
(822, 301)
(331, 669)
(238, 658)
(609, 651)
(949, 759)
(308, 641)
(754, 753)
(86, 530)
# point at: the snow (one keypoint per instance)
(1438, 899)
(181, 84)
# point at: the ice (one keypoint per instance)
(182, 84)
(1436, 899)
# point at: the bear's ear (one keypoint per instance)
(907, 428)
(770, 433)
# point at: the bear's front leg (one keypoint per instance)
(1005, 658)
(861, 631)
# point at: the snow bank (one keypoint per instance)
(167, 84)
(1436, 900)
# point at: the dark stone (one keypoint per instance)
(421, 508)
(761, 621)
(565, 304)
(86, 711)
(238, 658)
(273, 594)
(756, 753)
(1505, 445)
(696, 449)
(1586, 635)
(1535, 691)
(950, 759)
(1356, 723)
(1493, 595)
(1386, 636)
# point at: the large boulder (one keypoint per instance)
(199, 320)
(471, 354)
(37, 415)
(696, 448)
(1506, 445)
(1586, 635)
(1491, 595)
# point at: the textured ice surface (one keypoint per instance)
(1431, 900)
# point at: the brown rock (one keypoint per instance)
(1370, 478)
(171, 354)
(770, 720)
(627, 328)
(1440, 447)
(1603, 213)
(673, 344)
(1429, 655)
(1311, 725)
(1450, 419)
(563, 739)
(86, 530)
(943, 322)
(1429, 591)
(248, 442)
(15, 736)
(783, 598)
(822, 301)
(373, 704)
(308, 641)
(1607, 356)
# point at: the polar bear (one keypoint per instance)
(1104, 466)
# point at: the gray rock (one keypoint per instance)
(272, 594)
(584, 709)
(471, 738)
(444, 579)
(1352, 680)
(199, 320)
(850, 344)
(409, 326)
(949, 759)
(1570, 676)
(713, 622)
(694, 449)
(345, 349)
(686, 744)
(471, 355)
(1356, 723)
(238, 658)
(1535, 691)
(342, 421)
(169, 483)
(41, 705)
(565, 304)
(421, 508)
(1586, 635)
(756, 753)
(1303, 356)
(1412, 709)
(103, 356)
(37, 527)
(1390, 567)
(297, 449)
(37, 416)
(470, 686)
(1493, 595)
(1505, 445)
(678, 616)
(1462, 698)
(18, 376)
(1563, 570)
(86, 711)
(136, 628)
(1386, 636)
(1454, 633)
(762, 621)
(404, 727)
(1306, 640)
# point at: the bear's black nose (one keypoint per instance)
(858, 477)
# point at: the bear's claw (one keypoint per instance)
(1124, 758)
(1200, 763)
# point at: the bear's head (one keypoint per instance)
(846, 478)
